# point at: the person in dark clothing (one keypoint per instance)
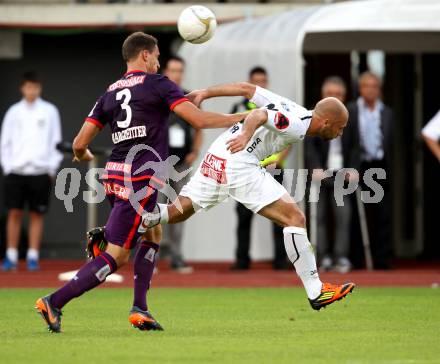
(331, 155)
(184, 142)
(370, 131)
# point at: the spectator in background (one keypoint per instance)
(258, 76)
(184, 142)
(431, 135)
(370, 128)
(331, 155)
(30, 133)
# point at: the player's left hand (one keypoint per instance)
(237, 143)
(196, 97)
(87, 156)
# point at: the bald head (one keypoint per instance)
(332, 116)
(331, 108)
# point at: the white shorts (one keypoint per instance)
(248, 184)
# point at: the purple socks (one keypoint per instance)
(94, 273)
(89, 276)
(144, 262)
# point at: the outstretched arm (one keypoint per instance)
(201, 119)
(244, 89)
(253, 121)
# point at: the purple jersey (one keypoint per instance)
(137, 108)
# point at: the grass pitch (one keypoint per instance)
(273, 325)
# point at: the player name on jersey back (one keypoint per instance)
(130, 82)
(130, 133)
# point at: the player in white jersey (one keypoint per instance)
(239, 174)
(231, 168)
(222, 173)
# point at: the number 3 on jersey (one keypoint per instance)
(126, 94)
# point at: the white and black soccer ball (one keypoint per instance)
(197, 24)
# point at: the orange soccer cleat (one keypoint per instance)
(143, 320)
(331, 293)
(50, 314)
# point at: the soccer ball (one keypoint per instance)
(197, 24)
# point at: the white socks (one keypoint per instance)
(163, 208)
(300, 252)
(159, 215)
(32, 254)
(12, 255)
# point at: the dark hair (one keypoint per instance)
(257, 69)
(175, 58)
(137, 42)
(30, 76)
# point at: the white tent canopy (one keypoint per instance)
(403, 26)
(278, 44)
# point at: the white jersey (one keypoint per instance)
(222, 174)
(287, 123)
(29, 136)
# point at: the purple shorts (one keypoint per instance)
(123, 224)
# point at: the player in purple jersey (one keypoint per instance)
(136, 107)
